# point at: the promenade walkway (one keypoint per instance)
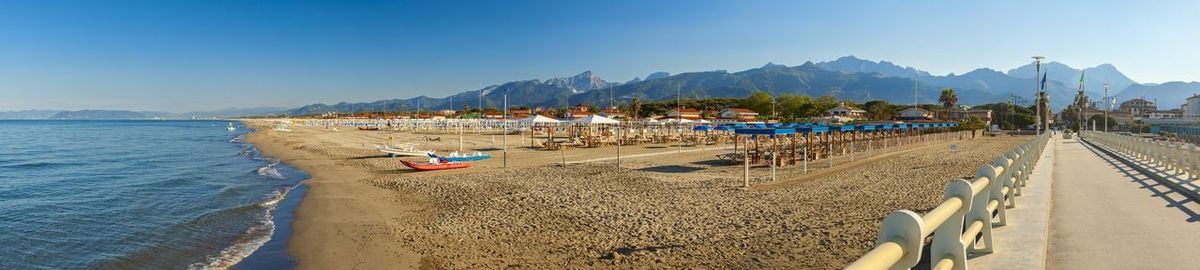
(1107, 215)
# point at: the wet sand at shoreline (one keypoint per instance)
(669, 210)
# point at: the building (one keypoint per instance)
(738, 114)
(1138, 107)
(847, 112)
(685, 113)
(580, 111)
(519, 113)
(962, 115)
(915, 114)
(613, 113)
(1172, 113)
(1192, 107)
(493, 115)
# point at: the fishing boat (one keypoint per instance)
(404, 150)
(455, 157)
(421, 167)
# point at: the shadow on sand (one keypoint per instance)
(671, 169)
(715, 163)
(370, 157)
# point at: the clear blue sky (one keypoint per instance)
(211, 54)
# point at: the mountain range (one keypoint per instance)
(125, 114)
(847, 77)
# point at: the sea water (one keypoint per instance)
(141, 195)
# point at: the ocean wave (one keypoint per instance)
(36, 165)
(270, 171)
(255, 237)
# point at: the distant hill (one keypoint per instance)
(847, 77)
(98, 115)
(235, 112)
(551, 92)
(1094, 77)
(28, 114)
(1167, 95)
(807, 79)
(851, 64)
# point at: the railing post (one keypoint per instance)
(947, 238)
(1193, 161)
(1011, 180)
(997, 193)
(903, 227)
(980, 211)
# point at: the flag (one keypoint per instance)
(1081, 81)
(1043, 81)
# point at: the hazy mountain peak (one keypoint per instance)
(583, 82)
(771, 65)
(657, 75)
(852, 64)
(848, 58)
(1094, 77)
(982, 71)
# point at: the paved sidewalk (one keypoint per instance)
(1022, 243)
(1106, 215)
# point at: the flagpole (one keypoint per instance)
(505, 119)
(1082, 104)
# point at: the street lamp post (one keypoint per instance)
(1037, 60)
(1109, 107)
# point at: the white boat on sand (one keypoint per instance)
(403, 150)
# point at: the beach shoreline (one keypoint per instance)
(668, 206)
(340, 221)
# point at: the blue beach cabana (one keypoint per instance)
(774, 134)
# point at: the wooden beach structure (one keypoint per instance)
(781, 145)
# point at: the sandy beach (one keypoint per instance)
(665, 209)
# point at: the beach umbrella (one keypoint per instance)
(702, 128)
(538, 119)
(595, 119)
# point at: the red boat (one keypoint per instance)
(420, 167)
(368, 128)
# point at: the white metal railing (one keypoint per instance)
(962, 222)
(1176, 157)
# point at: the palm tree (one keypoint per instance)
(637, 108)
(1044, 104)
(948, 99)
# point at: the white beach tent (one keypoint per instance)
(538, 119)
(595, 119)
(677, 121)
